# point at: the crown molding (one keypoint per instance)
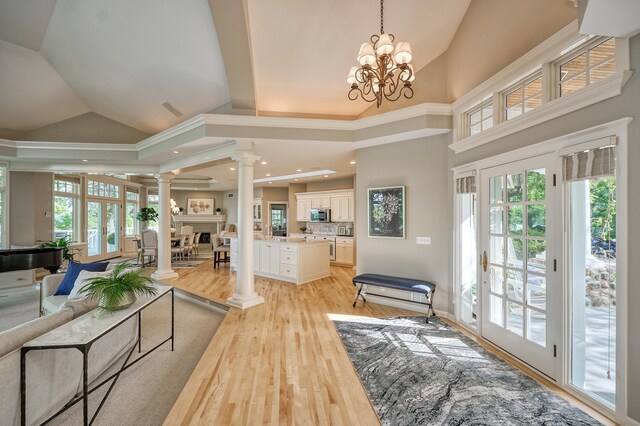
(76, 146)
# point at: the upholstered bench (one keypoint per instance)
(406, 284)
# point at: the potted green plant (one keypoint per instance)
(68, 252)
(119, 289)
(147, 214)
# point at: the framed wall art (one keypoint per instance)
(200, 205)
(386, 212)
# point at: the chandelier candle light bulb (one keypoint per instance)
(384, 72)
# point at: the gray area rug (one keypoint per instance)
(431, 374)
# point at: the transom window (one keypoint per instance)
(102, 189)
(524, 96)
(587, 65)
(480, 118)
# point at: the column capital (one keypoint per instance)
(166, 177)
(246, 158)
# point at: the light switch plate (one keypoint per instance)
(423, 240)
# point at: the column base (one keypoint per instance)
(164, 275)
(244, 302)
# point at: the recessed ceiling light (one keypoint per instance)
(268, 174)
(270, 182)
(84, 161)
(264, 163)
(297, 175)
(326, 175)
(352, 162)
(298, 170)
(176, 152)
(232, 168)
(296, 180)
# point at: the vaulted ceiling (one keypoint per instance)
(122, 60)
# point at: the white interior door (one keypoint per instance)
(521, 280)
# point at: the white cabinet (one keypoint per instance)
(342, 208)
(304, 209)
(344, 250)
(269, 258)
(341, 203)
(257, 209)
(321, 202)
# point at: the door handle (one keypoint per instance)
(485, 261)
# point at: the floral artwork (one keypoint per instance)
(199, 206)
(386, 212)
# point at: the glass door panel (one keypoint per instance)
(94, 228)
(592, 256)
(467, 272)
(113, 227)
(514, 291)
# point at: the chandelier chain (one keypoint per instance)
(381, 16)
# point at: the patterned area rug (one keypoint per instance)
(430, 374)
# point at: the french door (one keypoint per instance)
(103, 229)
(521, 241)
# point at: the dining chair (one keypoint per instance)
(189, 244)
(149, 243)
(179, 250)
(196, 243)
(219, 249)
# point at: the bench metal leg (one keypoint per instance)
(359, 294)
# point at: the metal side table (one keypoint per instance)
(81, 333)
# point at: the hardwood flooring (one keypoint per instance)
(282, 362)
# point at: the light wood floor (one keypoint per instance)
(282, 362)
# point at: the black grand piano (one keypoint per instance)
(31, 258)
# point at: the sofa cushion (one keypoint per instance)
(79, 306)
(14, 338)
(72, 273)
(83, 279)
(52, 304)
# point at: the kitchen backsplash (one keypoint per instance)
(329, 228)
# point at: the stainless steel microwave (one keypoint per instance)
(320, 215)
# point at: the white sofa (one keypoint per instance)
(54, 377)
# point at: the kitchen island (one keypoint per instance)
(294, 260)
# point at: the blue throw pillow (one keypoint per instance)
(72, 275)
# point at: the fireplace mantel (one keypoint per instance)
(200, 218)
(185, 219)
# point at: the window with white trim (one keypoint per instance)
(131, 211)
(153, 200)
(523, 96)
(586, 65)
(480, 118)
(66, 211)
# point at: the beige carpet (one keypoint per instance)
(145, 393)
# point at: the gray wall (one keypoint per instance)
(180, 197)
(419, 166)
(30, 198)
(625, 105)
(330, 184)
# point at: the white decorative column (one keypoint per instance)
(164, 270)
(245, 295)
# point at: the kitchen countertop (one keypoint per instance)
(286, 240)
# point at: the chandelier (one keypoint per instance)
(384, 73)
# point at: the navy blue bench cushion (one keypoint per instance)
(418, 286)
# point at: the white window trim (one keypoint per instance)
(545, 55)
(520, 84)
(478, 108)
(136, 226)
(4, 192)
(77, 208)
